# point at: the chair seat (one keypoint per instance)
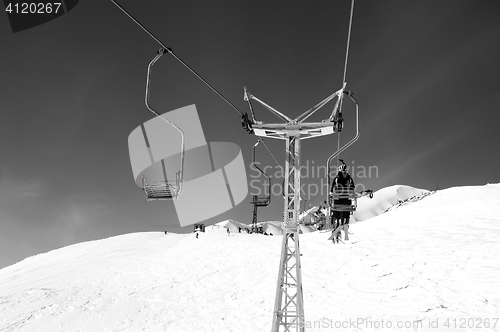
(342, 207)
(345, 195)
(264, 202)
(161, 191)
(261, 201)
(343, 202)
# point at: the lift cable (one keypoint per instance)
(345, 69)
(169, 50)
(348, 41)
(272, 155)
(338, 148)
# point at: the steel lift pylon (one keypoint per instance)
(288, 313)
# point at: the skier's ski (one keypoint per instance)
(334, 232)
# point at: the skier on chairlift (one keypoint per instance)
(342, 184)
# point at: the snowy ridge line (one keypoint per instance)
(413, 199)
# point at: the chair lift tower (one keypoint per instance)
(289, 304)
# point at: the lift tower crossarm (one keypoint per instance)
(248, 95)
(292, 126)
(308, 113)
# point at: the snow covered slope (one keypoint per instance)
(413, 267)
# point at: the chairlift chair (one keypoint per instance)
(163, 190)
(352, 195)
(346, 200)
(261, 201)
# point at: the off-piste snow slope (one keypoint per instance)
(431, 265)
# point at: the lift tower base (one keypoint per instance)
(289, 301)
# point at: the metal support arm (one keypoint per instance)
(348, 144)
(311, 111)
(274, 111)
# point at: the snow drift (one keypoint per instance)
(383, 199)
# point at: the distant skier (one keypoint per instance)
(343, 185)
(228, 232)
(196, 234)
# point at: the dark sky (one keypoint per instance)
(426, 75)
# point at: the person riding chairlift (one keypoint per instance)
(342, 184)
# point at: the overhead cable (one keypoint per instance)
(176, 57)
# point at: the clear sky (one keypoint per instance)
(426, 75)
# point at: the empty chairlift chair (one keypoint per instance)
(163, 190)
(261, 201)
